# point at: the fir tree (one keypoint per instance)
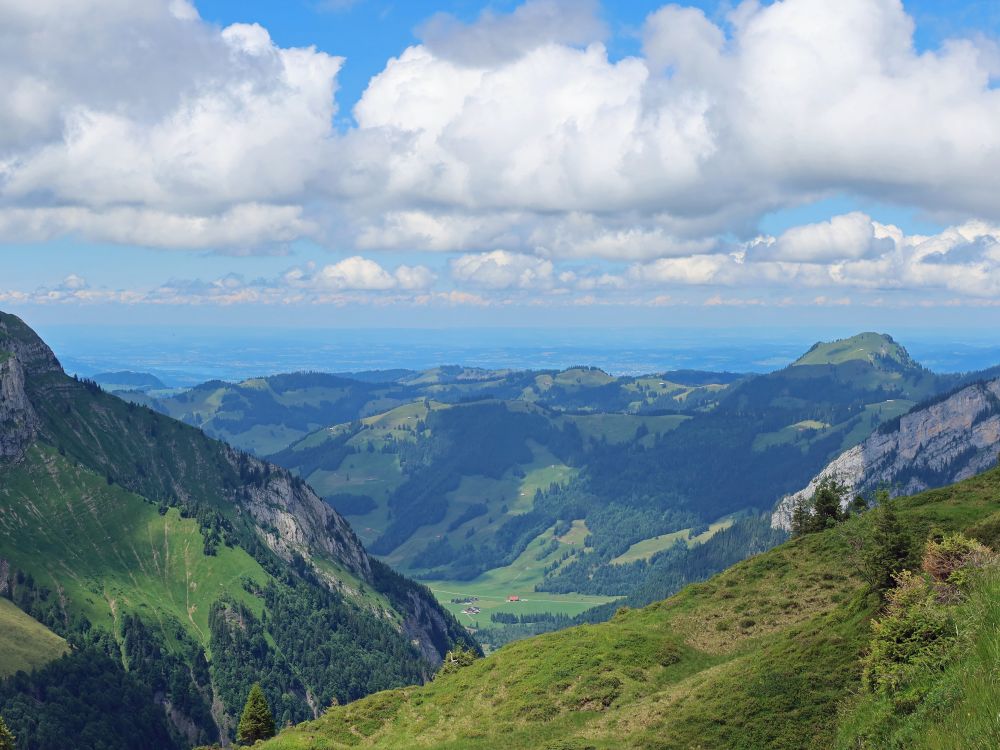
(6, 738)
(826, 504)
(256, 723)
(888, 548)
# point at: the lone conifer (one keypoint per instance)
(6, 738)
(256, 723)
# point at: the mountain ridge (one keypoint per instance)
(945, 440)
(120, 521)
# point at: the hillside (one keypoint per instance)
(126, 380)
(27, 643)
(190, 568)
(936, 443)
(477, 498)
(767, 654)
(266, 415)
(877, 349)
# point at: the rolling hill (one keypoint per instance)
(769, 653)
(266, 415)
(471, 479)
(181, 570)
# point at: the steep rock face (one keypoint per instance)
(21, 353)
(18, 339)
(426, 627)
(292, 518)
(18, 421)
(940, 444)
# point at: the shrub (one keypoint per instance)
(915, 634)
(950, 559)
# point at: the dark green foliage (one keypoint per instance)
(456, 659)
(7, 739)
(85, 701)
(351, 505)
(184, 681)
(256, 722)
(324, 644)
(822, 511)
(886, 548)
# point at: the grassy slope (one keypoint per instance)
(648, 547)
(864, 346)
(24, 642)
(962, 711)
(762, 655)
(109, 551)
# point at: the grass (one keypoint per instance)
(519, 578)
(762, 655)
(864, 346)
(648, 547)
(109, 551)
(25, 643)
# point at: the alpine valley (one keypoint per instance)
(166, 549)
(566, 489)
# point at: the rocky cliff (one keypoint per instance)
(935, 444)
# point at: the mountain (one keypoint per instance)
(180, 571)
(877, 349)
(574, 487)
(266, 415)
(126, 380)
(518, 496)
(936, 443)
(768, 654)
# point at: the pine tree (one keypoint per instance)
(888, 548)
(826, 504)
(257, 722)
(6, 738)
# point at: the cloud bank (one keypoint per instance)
(514, 143)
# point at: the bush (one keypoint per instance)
(915, 634)
(950, 559)
(456, 659)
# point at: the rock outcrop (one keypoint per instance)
(938, 444)
(18, 421)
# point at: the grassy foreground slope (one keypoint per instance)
(27, 643)
(766, 654)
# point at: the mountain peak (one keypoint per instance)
(879, 349)
(17, 338)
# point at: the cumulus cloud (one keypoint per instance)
(496, 38)
(503, 270)
(516, 131)
(850, 236)
(139, 123)
(360, 274)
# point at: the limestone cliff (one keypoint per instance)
(934, 445)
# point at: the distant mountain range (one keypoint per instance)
(474, 477)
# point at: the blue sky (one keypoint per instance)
(582, 163)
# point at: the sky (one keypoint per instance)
(452, 163)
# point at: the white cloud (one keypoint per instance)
(496, 38)
(139, 123)
(850, 236)
(361, 274)
(503, 270)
